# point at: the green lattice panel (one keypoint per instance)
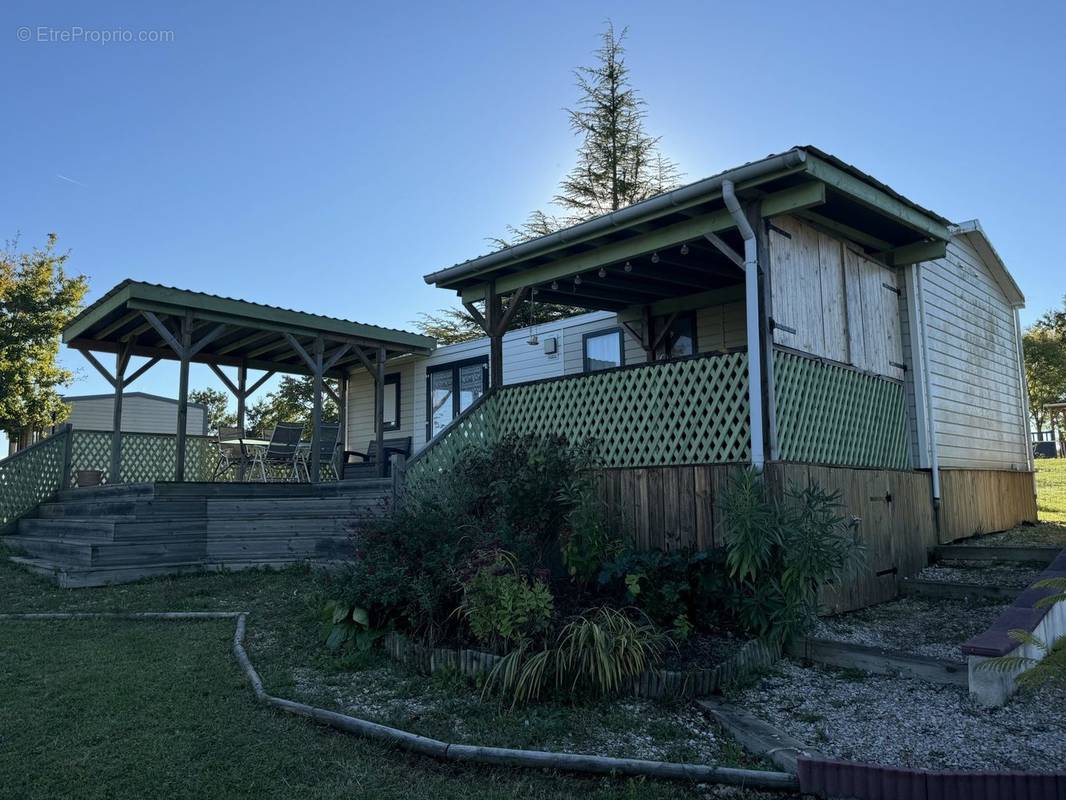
(693, 411)
(30, 477)
(830, 414)
(146, 457)
(475, 428)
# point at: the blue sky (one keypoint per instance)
(325, 156)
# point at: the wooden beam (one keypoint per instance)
(140, 371)
(209, 337)
(479, 318)
(316, 393)
(365, 361)
(333, 358)
(789, 201)
(691, 302)
(121, 322)
(258, 336)
(493, 316)
(725, 249)
(185, 351)
(99, 367)
(516, 300)
(263, 379)
(122, 360)
(313, 364)
(662, 333)
(872, 197)
(225, 380)
(379, 407)
(164, 332)
(846, 231)
(913, 253)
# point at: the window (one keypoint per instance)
(451, 389)
(390, 412)
(603, 350)
(680, 339)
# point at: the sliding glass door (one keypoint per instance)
(451, 389)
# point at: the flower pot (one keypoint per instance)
(88, 477)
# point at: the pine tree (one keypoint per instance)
(618, 164)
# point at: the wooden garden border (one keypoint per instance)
(446, 751)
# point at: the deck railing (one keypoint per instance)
(684, 411)
(146, 457)
(33, 474)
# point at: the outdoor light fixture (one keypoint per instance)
(602, 272)
(555, 286)
(577, 280)
(628, 267)
(654, 258)
(684, 249)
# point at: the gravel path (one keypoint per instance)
(923, 627)
(1043, 534)
(1017, 576)
(909, 723)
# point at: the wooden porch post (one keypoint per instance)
(316, 414)
(183, 395)
(342, 413)
(379, 408)
(122, 359)
(493, 319)
(242, 395)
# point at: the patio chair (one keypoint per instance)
(283, 450)
(328, 434)
(368, 467)
(229, 455)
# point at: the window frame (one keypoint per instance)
(453, 367)
(615, 329)
(392, 378)
(689, 316)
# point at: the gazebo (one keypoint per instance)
(163, 323)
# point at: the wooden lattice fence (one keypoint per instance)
(146, 457)
(688, 411)
(832, 414)
(32, 475)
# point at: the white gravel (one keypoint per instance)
(908, 723)
(933, 628)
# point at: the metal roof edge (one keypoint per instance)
(972, 229)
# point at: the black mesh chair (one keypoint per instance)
(328, 434)
(229, 454)
(282, 453)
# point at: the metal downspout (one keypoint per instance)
(751, 308)
(934, 457)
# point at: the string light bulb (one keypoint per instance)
(577, 280)
(684, 249)
(654, 258)
(555, 286)
(602, 273)
(628, 267)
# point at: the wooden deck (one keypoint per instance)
(122, 533)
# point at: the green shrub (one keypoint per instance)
(593, 654)
(502, 607)
(780, 553)
(679, 590)
(587, 543)
(346, 625)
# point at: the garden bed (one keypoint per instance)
(908, 723)
(446, 706)
(911, 625)
(1042, 534)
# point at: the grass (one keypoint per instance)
(128, 710)
(1051, 489)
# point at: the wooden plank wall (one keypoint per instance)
(676, 507)
(982, 501)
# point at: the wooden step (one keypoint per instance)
(972, 552)
(80, 530)
(112, 492)
(54, 551)
(128, 507)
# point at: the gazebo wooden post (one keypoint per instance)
(242, 395)
(379, 409)
(122, 359)
(316, 413)
(184, 353)
(342, 414)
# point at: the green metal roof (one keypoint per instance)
(255, 333)
(803, 180)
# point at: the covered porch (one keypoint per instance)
(234, 338)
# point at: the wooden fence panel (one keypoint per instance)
(974, 501)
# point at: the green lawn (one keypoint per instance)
(130, 710)
(1051, 489)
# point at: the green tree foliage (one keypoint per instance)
(1045, 363)
(218, 415)
(292, 401)
(618, 164)
(37, 300)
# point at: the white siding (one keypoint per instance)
(140, 414)
(977, 403)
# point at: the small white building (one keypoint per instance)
(141, 413)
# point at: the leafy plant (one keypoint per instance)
(504, 607)
(780, 553)
(347, 625)
(595, 653)
(672, 588)
(588, 543)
